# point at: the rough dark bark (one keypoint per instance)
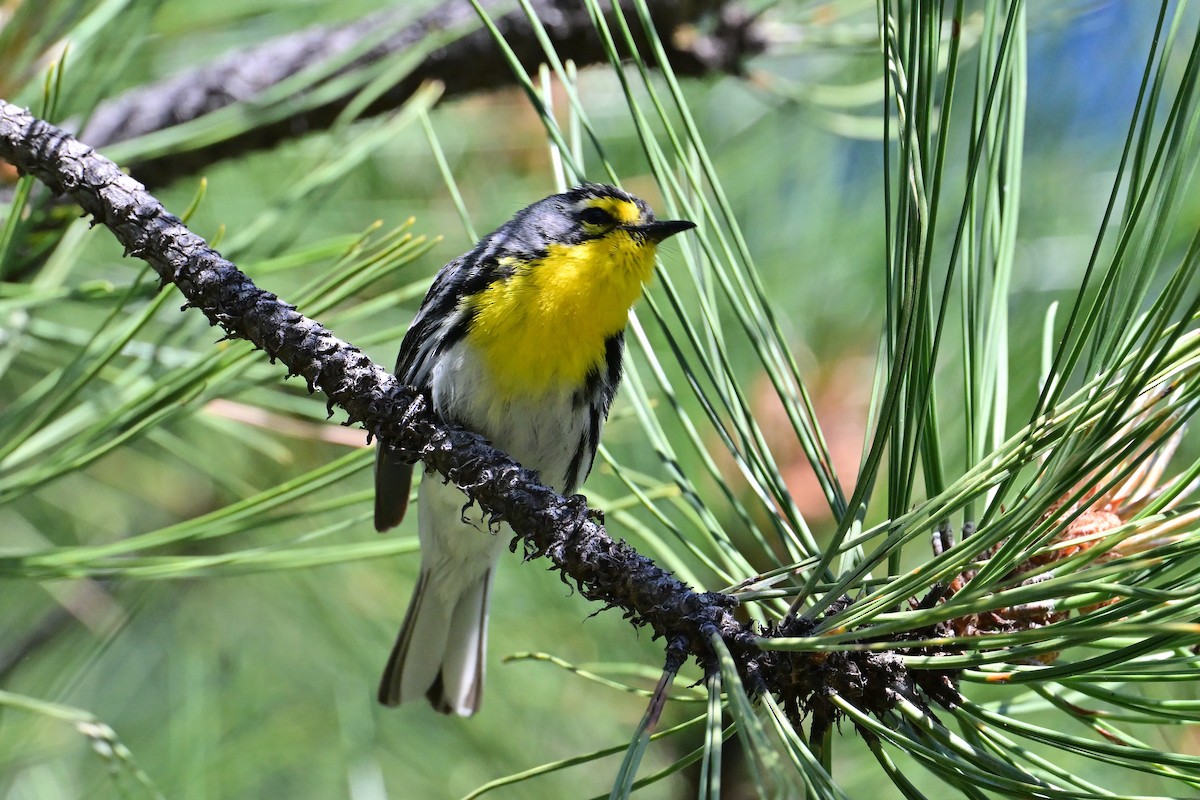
(562, 529)
(470, 63)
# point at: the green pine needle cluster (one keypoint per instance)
(165, 500)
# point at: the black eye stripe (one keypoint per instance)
(595, 216)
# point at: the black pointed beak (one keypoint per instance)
(662, 229)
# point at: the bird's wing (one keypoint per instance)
(393, 481)
(439, 323)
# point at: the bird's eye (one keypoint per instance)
(597, 217)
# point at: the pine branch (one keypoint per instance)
(470, 63)
(546, 524)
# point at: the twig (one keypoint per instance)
(470, 63)
(562, 529)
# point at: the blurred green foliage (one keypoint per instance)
(225, 684)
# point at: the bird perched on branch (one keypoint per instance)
(520, 340)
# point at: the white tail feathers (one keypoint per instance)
(439, 653)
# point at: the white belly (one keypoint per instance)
(543, 432)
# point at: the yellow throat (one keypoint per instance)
(545, 328)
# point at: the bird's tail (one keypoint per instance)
(439, 653)
(440, 650)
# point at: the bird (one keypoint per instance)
(520, 340)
